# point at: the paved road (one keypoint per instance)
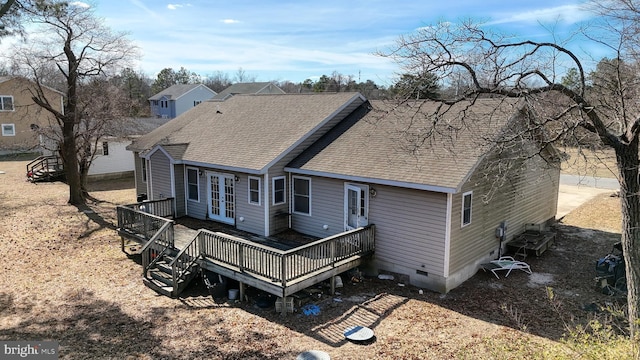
(589, 181)
(577, 190)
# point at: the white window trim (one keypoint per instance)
(13, 126)
(284, 190)
(293, 197)
(464, 195)
(259, 203)
(186, 180)
(13, 104)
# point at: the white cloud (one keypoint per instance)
(569, 14)
(230, 21)
(80, 4)
(174, 6)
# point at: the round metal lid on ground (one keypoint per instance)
(358, 333)
(313, 355)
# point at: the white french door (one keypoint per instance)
(356, 206)
(221, 198)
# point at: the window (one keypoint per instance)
(279, 192)
(192, 184)
(466, 208)
(302, 195)
(105, 148)
(6, 103)
(8, 130)
(144, 170)
(254, 190)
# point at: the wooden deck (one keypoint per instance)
(277, 266)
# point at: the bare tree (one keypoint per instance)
(10, 11)
(217, 81)
(497, 66)
(74, 41)
(241, 76)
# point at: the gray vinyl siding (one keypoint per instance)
(410, 228)
(180, 190)
(185, 102)
(531, 196)
(253, 214)
(410, 224)
(160, 174)
(327, 208)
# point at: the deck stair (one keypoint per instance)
(160, 277)
(45, 168)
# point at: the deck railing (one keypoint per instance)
(44, 166)
(184, 261)
(285, 266)
(142, 222)
(159, 244)
(162, 208)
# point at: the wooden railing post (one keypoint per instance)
(283, 270)
(241, 257)
(332, 251)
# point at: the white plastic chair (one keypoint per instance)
(506, 263)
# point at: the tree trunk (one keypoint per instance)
(70, 159)
(84, 175)
(627, 157)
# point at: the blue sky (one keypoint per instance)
(295, 40)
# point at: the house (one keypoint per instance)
(21, 117)
(249, 88)
(321, 164)
(112, 159)
(178, 98)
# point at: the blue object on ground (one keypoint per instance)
(311, 309)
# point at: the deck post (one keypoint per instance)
(241, 291)
(333, 285)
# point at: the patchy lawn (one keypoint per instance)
(66, 279)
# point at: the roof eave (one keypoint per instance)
(363, 179)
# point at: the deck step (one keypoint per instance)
(160, 277)
(158, 287)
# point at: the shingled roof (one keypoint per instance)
(175, 91)
(388, 144)
(248, 88)
(246, 132)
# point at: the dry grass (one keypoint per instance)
(65, 279)
(599, 163)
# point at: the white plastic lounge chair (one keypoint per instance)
(506, 263)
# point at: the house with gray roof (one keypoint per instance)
(177, 99)
(249, 88)
(434, 185)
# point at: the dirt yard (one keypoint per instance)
(65, 279)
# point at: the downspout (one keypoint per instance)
(447, 236)
(290, 196)
(267, 226)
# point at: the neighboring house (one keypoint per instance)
(21, 117)
(321, 164)
(112, 159)
(177, 99)
(249, 88)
